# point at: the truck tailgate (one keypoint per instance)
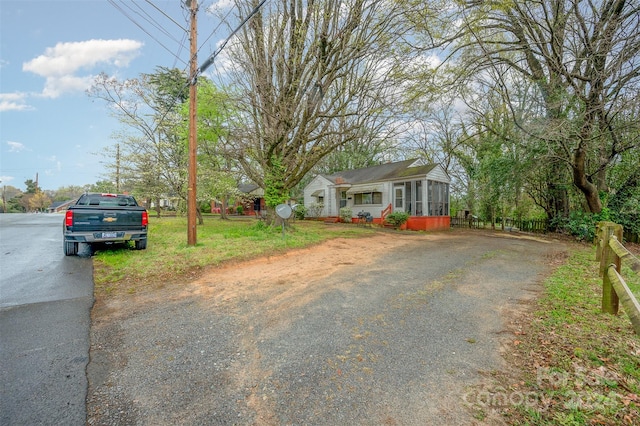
(106, 219)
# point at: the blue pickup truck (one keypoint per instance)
(105, 218)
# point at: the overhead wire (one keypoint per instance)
(209, 60)
(156, 25)
(166, 15)
(151, 20)
(224, 19)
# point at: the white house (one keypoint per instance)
(412, 186)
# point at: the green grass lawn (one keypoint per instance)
(576, 365)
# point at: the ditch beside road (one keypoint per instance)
(395, 328)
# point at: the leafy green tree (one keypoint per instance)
(9, 199)
(150, 160)
(31, 185)
(66, 193)
(39, 202)
(104, 186)
(217, 172)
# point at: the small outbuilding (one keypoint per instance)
(411, 186)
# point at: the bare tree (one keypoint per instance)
(313, 76)
(583, 58)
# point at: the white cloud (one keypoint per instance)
(219, 5)
(61, 64)
(6, 179)
(56, 86)
(13, 102)
(16, 147)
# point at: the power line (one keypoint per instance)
(206, 64)
(209, 61)
(224, 19)
(136, 23)
(151, 20)
(166, 16)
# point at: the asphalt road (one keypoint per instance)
(45, 303)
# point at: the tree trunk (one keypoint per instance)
(158, 209)
(588, 189)
(199, 215)
(223, 208)
(271, 219)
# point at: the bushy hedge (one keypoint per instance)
(583, 225)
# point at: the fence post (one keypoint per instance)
(608, 257)
(599, 242)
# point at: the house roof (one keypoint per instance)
(58, 204)
(247, 187)
(381, 172)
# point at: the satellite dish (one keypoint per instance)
(284, 211)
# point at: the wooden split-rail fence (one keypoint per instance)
(611, 253)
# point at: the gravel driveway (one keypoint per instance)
(392, 329)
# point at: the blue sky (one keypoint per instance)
(49, 52)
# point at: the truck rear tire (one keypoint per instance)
(70, 248)
(141, 244)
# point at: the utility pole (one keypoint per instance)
(193, 142)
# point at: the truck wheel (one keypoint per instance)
(70, 248)
(141, 244)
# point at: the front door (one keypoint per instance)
(398, 196)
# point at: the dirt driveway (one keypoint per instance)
(392, 329)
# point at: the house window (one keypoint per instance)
(438, 198)
(367, 198)
(343, 199)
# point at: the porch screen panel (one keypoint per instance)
(429, 198)
(418, 198)
(409, 197)
(446, 199)
(438, 198)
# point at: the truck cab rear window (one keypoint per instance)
(106, 201)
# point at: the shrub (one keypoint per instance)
(240, 210)
(299, 211)
(582, 225)
(346, 214)
(315, 209)
(397, 218)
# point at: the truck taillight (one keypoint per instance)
(68, 218)
(145, 218)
